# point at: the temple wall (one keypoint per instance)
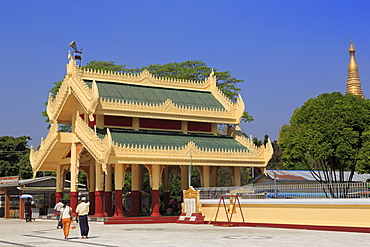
(294, 212)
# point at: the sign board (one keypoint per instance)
(191, 201)
(9, 181)
(190, 205)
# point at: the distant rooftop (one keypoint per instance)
(305, 176)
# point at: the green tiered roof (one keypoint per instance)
(156, 95)
(168, 139)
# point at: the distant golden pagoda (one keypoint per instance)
(353, 81)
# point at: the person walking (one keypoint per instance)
(57, 209)
(28, 209)
(66, 216)
(82, 211)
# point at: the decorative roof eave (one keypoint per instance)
(263, 152)
(144, 78)
(239, 108)
(89, 98)
(187, 154)
(73, 84)
(37, 157)
(170, 110)
(99, 148)
(106, 151)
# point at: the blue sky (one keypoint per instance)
(285, 51)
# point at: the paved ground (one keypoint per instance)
(14, 232)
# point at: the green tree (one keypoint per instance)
(330, 133)
(257, 142)
(14, 157)
(276, 161)
(107, 66)
(225, 177)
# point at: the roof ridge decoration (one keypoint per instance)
(191, 147)
(264, 151)
(169, 155)
(145, 78)
(99, 148)
(88, 98)
(167, 105)
(38, 156)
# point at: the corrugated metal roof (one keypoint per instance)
(156, 95)
(36, 180)
(304, 175)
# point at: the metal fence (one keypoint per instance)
(290, 191)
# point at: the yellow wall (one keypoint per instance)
(318, 212)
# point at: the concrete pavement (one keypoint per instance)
(15, 232)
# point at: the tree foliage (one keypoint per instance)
(276, 161)
(329, 133)
(14, 157)
(106, 66)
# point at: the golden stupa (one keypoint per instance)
(353, 81)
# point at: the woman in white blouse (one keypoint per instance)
(66, 216)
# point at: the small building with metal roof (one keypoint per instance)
(42, 189)
(298, 176)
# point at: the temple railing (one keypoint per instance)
(291, 191)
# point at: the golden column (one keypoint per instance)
(166, 187)
(92, 178)
(73, 194)
(59, 184)
(206, 176)
(99, 190)
(108, 191)
(118, 184)
(184, 170)
(353, 81)
(237, 177)
(214, 176)
(135, 190)
(156, 183)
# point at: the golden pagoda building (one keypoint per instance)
(141, 124)
(353, 81)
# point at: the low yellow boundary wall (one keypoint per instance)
(323, 214)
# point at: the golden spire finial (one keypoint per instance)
(351, 46)
(353, 81)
